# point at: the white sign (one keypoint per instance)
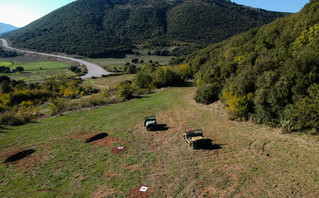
(143, 189)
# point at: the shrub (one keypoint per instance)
(19, 69)
(126, 90)
(18, 116)
(306, 111)
(130, 69)
(135, 60)
(57, 106)
(208, 93)
(142, 80)
(237, 106)
(164, 76)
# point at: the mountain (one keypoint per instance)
(6, 28)
(100, 28)
(270, 74)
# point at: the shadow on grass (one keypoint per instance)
(19, 156)
(3, 128)
(140, 97)
(184, 84)
(209, 145)
(162, 127)
(96, 137)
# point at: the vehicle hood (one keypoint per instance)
(197, 138)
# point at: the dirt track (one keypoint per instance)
(93, 69)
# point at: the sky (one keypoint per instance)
(22, 12)
(275, 5)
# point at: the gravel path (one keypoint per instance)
(93, 69)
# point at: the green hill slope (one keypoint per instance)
(270, 74)
(98, 28)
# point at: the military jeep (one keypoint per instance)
(194, 138)
(150, 123)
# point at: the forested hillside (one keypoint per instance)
(101, 28)
(270, 75)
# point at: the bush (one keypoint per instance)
(19, 69)
(130, 69)
(18, 116)
(57, 106)
(135, 60)
(126, 90)
(163, 76)
(142, 80)
(208, 93)
(306, 112)
(237, 106)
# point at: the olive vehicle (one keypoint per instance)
(194, 138)
(150, 123)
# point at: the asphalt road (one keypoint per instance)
(93, 69)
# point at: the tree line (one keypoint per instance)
(269, 75)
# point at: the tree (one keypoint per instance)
(135, 60)
(208, 93)
(19, 69)
(126, 90)
(142, 79)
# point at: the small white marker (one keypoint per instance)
(143, 189)
(120, 148)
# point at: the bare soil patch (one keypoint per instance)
(119, 149)
(110, 175)
(136, 193)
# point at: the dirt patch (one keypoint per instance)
(96, 137)
(106, 142)
(19, 156)
(137, 193)
(119, 149)
(110, 175)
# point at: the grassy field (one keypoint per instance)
(111, 63)
(36, 68)
(246, 160)
(5, 64)
(106, 82)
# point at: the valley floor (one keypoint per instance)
(246, 160)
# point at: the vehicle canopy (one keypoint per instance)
(195, 133)
(149, 120)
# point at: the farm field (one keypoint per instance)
(112, 64)
(35, 68)
(245, 160)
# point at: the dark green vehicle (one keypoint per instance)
(150, 123)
